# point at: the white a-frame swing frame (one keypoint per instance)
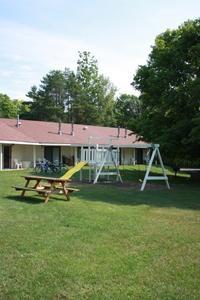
(109, 151)
(155, 152)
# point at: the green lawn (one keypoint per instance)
(108, 242)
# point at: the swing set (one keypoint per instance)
(101, 158)
(147, 177)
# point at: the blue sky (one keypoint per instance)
(38, 36)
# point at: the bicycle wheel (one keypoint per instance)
(63, 168)
(54, 168)
(37, 169)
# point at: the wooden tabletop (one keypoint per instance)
(45, 178)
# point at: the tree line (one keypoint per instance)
(82, 97)
(166, 112)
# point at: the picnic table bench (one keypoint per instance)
(46, 186)
(194, 172)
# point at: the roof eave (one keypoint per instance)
(134, 145)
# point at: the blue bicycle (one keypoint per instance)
(46, 167)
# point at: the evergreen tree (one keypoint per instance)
(49, 99)
(93, 100)
(85, 97)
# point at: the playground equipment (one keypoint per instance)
(100, 159)
(74, 170)
(156, 152)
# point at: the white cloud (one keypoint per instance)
(27, 54)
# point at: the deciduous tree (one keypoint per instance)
(11, 108)
(127, 110)
(170, 92)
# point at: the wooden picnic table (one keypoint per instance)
(46, 186)
(194, 172)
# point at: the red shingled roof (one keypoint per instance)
(47, 133)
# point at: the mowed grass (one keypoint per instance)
(108, 242)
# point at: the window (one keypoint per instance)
(52, 154)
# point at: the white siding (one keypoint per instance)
(39, 152)
(25, 154)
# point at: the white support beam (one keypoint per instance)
(157, 177)
(82, 158)
(109, 173)
(34, 156)
(1, 157)
(75, 156)
(134, 157)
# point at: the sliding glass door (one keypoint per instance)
(52, 154)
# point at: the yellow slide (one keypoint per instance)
(73, 170)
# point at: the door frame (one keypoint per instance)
(9, 156)
(139, 156)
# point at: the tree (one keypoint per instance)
(170, 87)
(11, 108)
(50, 98)
(85, 97)
(93, 95)
(127, 110)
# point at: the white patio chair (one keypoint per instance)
(18, 165)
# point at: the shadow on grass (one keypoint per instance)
(181, 197)
(34, 199)
(26, 199)
(135, 175)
